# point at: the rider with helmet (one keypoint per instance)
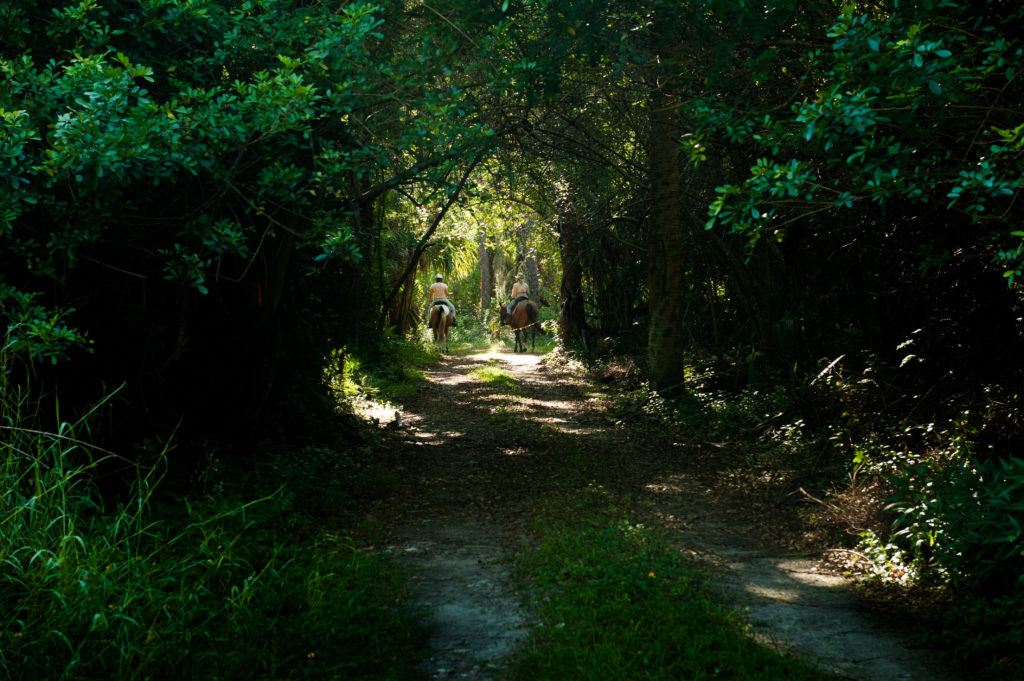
(439, 293)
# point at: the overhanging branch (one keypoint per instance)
(421, 245)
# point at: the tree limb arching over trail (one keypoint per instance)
(475, 456)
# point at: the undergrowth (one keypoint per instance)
(617, 602)
(90, 588)
(922, 504)
(473, 334)
(391, 373)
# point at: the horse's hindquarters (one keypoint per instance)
(440, 320)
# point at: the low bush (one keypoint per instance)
(963, 520)
(960, 523)
(987, 634)
(391, 374)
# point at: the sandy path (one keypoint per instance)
(467, 481)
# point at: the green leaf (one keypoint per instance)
(935, 87)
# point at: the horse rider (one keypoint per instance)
(439, 293)
(520, 292)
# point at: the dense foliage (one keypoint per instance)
(152, 586)
(189, 190)
(204, 204)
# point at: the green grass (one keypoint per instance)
(494, 375)
(542, 345)
(617, 602)
(91, 589)
(393, 375)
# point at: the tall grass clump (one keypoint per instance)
(617, 602)
(91, 589)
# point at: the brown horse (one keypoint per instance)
(440, 321)
(523, 320)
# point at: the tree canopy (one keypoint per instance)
(204, 202)
(189, 181)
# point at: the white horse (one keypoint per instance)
(440, 321)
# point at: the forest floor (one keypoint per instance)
(467, 462)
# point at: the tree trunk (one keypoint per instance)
(530, 273)
(572, 323)
(665, 249)
(424, 241)
(485, 273)
(529, 266)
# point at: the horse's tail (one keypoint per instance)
(531, 312)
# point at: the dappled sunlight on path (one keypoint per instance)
(475, 456)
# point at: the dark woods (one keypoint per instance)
(204, 205)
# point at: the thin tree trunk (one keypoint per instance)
(665, 249)
(530, 272)
(572, 323)
(529, 266)
(485, 273)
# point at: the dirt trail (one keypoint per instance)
(469, 469)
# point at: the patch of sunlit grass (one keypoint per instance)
(374, 388)
(541, 345)
(617, 601)
(469, 337)
(496, 376)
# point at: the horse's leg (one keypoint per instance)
(430, 323)
(437, 326)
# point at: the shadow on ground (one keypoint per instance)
(473, 461)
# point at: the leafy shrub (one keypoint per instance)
(963, 519)
(988, 633)
(886, 561)
(391, 373)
